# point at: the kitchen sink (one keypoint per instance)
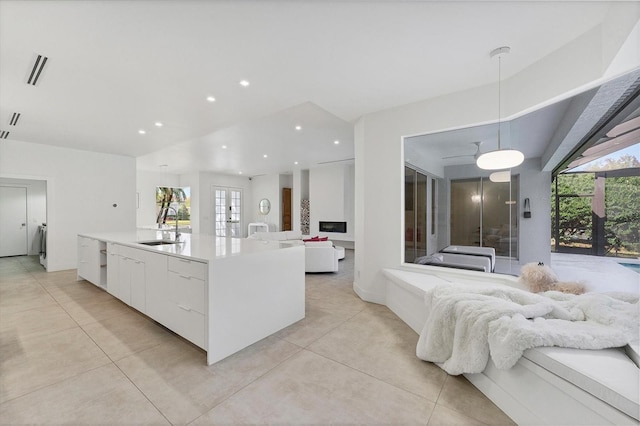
(158, 242)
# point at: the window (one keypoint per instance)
(173, 204)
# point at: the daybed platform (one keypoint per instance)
(548, 385)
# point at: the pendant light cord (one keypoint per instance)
(499, 98)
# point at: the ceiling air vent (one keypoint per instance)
(14, 119)
(4, 134)
(38, 66)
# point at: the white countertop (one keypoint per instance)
(202, 247)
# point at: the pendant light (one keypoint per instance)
(500, 158)
(501, 176)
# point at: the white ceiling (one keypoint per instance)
(119, 66)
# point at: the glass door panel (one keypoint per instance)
(500, 217)
(466, 209)
(228, 212)
(409, 215)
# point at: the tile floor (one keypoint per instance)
(70, 353)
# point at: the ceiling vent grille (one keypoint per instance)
(38, 66)
(14, 119)
(4, 134)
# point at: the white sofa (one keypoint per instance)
(548, 385)
(320, 256)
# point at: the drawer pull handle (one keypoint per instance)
(184, 276)
(184, 261)
(186, 308)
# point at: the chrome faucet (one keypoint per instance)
(176, 212)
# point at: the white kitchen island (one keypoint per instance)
(222, 294)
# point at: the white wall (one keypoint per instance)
(81, 189)
(379, 153)
(331, 198)
(36, 208)
(146, 184)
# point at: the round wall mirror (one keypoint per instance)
(264, 206)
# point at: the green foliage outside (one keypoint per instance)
(622, 209)
(165, 196)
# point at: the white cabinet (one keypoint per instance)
(113, 269)
(168, 289)
(92, 261)
(131, 277)
(185, 300)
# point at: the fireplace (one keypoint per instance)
(333, 227)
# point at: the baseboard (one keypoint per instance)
(368, 296)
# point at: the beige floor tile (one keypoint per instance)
(443, 416)
(100, 396)
(86, 313)
(123, 335)
(69, 276)
(309, 388)
(316, 324)
(378, 343)
(34, 322)
(176, 379)
(460, 395)
(27, 364)
(76, 292)
(23, 296)
(336, 301)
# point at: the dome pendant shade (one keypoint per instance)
(499, 177)
(500, 159)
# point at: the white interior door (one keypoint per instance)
(227, 204)
(13, 221)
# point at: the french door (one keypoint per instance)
(227, 205)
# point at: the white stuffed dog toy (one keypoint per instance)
(539, 278)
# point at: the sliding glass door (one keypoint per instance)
(485, 214)
(420, 214)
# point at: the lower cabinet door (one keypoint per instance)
(124, 279)
(138, 285)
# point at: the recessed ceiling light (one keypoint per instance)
(211, 99)
(336, 142)
(224, 147)
(158, 124)
(265, 156)
(142, 132)
(244, 83)
(295, 162)
(239, 173)
(298, 127)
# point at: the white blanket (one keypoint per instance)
(466, 324)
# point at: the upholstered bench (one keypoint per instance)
(547, 386)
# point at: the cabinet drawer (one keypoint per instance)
(188, 292)
(189, 324)
(188, 267)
